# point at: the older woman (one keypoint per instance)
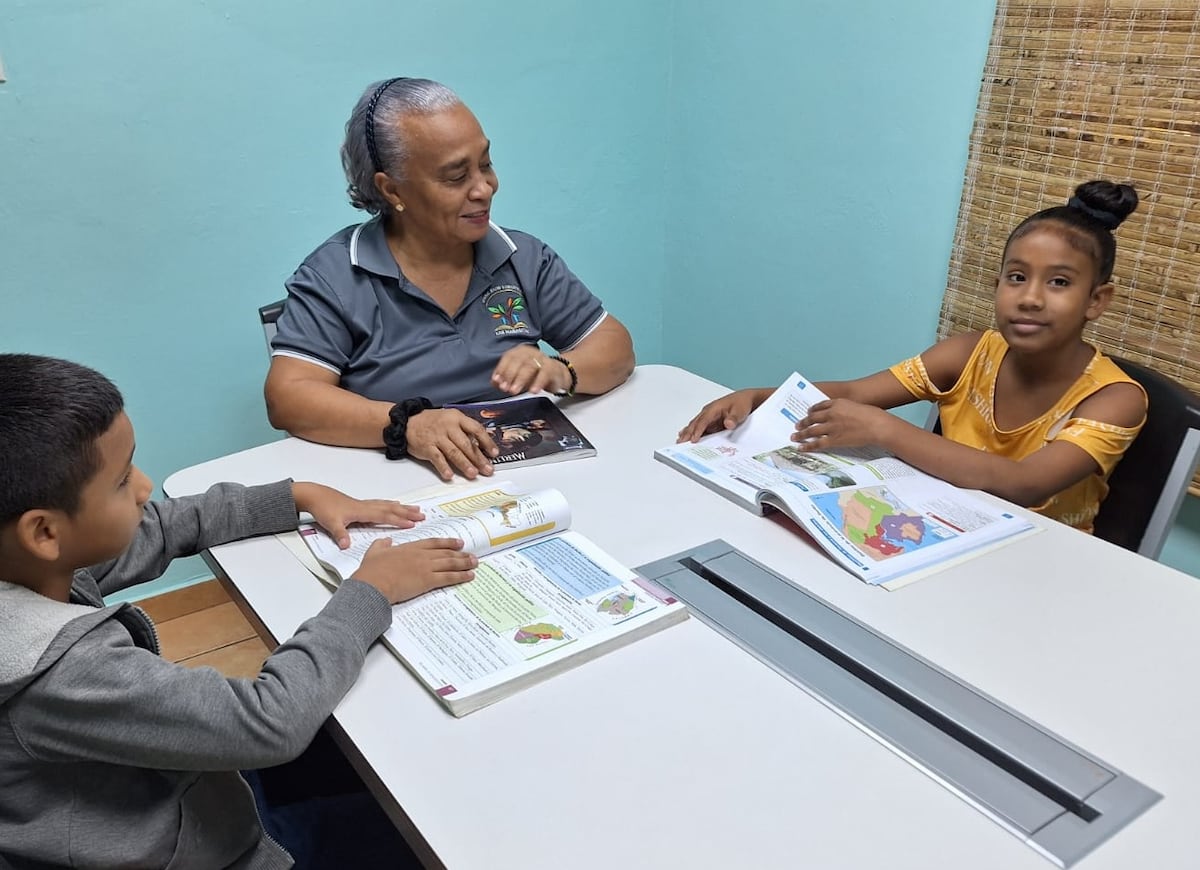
(429, 302)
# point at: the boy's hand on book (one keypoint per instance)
(404, 571)
(334, 510)
(727, 412)
(451, 441)
(842, 423)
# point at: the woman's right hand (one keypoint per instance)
(727, 412)
(404, 571)
(451, 441)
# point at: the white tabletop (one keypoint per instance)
(683, 750)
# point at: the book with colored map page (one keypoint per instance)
(544, 598)
(881, 519)
(529, 430)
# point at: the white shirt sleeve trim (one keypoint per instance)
(354, 244)
(603, 316)
(308, 359)
(512, 246)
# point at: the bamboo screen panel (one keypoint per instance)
(1089, 89)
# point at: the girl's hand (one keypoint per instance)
(404, 571)
(727, 412)
(451, 441)
(842, 423)
(334, 510)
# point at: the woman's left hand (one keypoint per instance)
(525, 369)
(841, 423)
(334, 510)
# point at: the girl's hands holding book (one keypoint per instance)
(727, 412)
(843, 423)
(404, 571)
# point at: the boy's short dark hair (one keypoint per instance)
(51, 413)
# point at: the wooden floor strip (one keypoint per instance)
(242, 659)
(181, 602)
(203, 631)
(199, 626)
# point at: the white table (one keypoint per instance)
(684, 751)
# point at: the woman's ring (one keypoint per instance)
(538, 363)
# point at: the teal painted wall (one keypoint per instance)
(751, 189)
(165, 166)
(820, 155)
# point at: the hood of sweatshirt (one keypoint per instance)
(35, 630)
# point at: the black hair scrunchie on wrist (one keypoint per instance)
(395, 434)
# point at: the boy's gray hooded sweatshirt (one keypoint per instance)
(111, 756)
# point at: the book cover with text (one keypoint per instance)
(529, 431)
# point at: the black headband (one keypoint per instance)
(374, 101)
(1107, 218)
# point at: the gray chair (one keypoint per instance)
(267, 315)
(1148, 486)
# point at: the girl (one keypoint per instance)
(1029, 410)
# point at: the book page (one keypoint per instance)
(527, 606)
(759, 455)
(910, 523)
(879, 517)
(487, 518)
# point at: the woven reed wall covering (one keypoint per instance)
(1080, 90)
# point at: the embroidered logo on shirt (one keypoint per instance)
(507, 307)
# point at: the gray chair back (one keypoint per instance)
(1148, 486)
(267, 315)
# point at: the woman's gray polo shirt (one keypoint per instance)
(350, 310)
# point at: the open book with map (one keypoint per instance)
(543, 599)
(881, 519)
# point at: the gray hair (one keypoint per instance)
(385, 104)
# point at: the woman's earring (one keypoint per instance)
(399, 206)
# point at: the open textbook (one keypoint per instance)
(881, 519)
(543, 599)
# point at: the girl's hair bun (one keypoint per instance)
(1106, 202)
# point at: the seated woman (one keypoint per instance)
(429, 302)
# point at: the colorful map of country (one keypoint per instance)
(875, 522)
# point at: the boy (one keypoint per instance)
(109, 755)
